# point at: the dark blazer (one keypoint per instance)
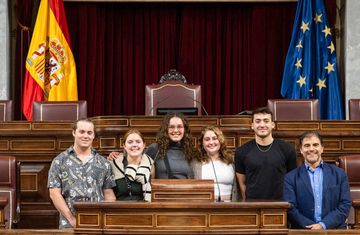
(336, 197)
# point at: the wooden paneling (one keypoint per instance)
(240, 231)
(3, 203)
(4, 145)
(35, 144)
(185, 217)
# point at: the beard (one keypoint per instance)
(313, 159)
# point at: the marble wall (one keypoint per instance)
(352, 50)
(4, 51)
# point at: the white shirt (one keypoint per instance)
(224, 174)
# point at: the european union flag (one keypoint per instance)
(310, 70)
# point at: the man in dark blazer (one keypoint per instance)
(318, 192)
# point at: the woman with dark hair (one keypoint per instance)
(173, 151)
(217, 163)
(132, 170)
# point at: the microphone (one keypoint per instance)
(245, 112)
(217, 182)
(202, 106)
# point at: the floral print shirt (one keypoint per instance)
(79, 181)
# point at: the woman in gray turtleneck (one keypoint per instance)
(173, 151)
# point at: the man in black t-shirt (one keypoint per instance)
(262, 163)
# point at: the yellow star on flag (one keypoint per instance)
(298, 63)
(330, 67)
(317, 18)
(321, 84)
(299, 45)
(301, 81)
(326, 31)
(331, 47)
(304, 26)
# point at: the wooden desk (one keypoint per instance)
(356, 205)
(71, 232)
(3, 203)
(37, 232)
(322, 232)
(35, 144)
(181, 217)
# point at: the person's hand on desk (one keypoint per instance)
(315, 226)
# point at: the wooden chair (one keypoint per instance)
(10, 189)
(294, 109)
(59, 110)
(6, 110)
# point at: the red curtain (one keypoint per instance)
(235, 51)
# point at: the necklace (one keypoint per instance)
(263, 150)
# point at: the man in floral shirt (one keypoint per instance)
(79, 174)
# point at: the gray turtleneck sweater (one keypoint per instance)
(179, 167)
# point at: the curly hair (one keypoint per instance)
(163, 139)
(225, 154)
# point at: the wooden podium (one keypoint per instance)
(129, 217)
(181, 207)
(184, 190)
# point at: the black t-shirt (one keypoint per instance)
(265, 169)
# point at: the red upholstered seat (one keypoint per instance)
(172, 94)
(10, 188)
(354, 109)
(6, 110)
(59, 110)
(294, 109)
(351, 165)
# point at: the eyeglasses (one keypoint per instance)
(173, 127)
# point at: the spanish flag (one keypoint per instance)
(50, 66)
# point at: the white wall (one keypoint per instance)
(4, 51)
(352, 50)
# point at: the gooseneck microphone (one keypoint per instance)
(217, 182)
(202, 106)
